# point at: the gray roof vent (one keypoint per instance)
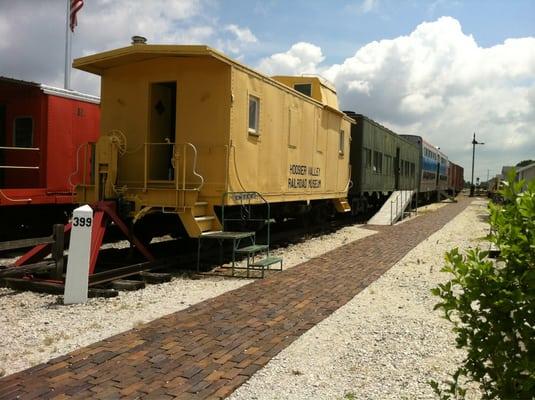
(139, 40)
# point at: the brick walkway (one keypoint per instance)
(211, 348)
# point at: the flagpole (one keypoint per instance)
(68, 46)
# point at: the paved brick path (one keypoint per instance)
(211, 348)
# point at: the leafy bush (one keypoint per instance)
(491, 303)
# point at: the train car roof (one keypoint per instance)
(435, 148)
(98, 63)
(355, 116)
(55, 91)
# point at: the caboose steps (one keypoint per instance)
(253, 263)
(200, 208)
(205, 222)
(264, 265)
(342, 205)
(254, 248)
(199, 218)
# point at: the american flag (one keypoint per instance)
(75, 7)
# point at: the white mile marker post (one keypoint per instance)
(77, 279)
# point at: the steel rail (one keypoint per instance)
(129, 270)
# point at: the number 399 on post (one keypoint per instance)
(83, 222)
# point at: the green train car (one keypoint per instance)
(381, 163)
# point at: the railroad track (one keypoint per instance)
(114, 275)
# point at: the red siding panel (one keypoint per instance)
(60, 126)
(21, 101)
(71, 123)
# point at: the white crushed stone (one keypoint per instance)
(35, 328)
(387, 342)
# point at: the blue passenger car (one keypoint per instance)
(434, 172)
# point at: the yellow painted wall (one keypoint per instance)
(298, 141)
(202, 113)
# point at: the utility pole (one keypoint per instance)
(474, 142)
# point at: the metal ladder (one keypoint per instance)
(252, 250)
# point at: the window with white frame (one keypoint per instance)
(388, 164)
(305, 88)
(254, 113)
(341, 142)
(377, 162)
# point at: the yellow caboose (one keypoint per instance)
(182, 126)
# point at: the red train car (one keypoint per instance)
(42, 134)
(455, 178)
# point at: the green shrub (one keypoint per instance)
(491, 304)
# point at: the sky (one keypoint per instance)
(443, 69)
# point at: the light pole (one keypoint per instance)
(474, 142)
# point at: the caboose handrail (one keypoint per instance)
(19, 148)
(194, 166)
(16, 148)
(349, 181)
(179, 150)
(16, 167)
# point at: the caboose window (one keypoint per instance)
(23, 132)
(368, 157)
(388, 164)
(377, 162)
(254, 112)
(341, 143)
(305, 88)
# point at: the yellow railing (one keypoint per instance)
(172, 164)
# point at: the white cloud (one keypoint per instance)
(4, 29)
(38, 52)
(244, 35)
(104, 25)
(359, 86)
(110, 24)
(437, 82)
(368, 5)
(440, 83)
(302, 58)
(238, 40)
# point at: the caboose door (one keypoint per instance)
(162, 116)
